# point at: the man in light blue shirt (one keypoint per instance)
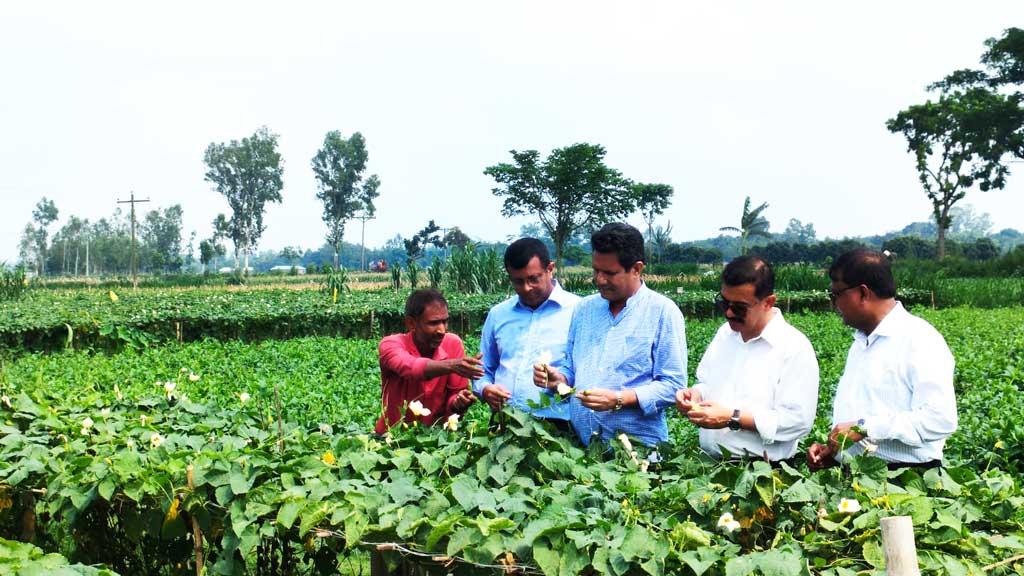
(626, 354)
(528, 328)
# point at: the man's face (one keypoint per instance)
(847, 301)
(746, 313)
(429, 329)
(532, 282)
(614, 282)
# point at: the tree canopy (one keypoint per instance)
(570, 191)
(338, 167)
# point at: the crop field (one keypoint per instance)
(126, 440)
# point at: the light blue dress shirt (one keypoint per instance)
(643, 349)
(514, 336)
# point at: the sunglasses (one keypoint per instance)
(739, 309)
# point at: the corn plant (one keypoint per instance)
(336, 283)
(412, 272)
(13, 282)
(396, 277)
(435, 272)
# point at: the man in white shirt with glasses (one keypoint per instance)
(896, 394)
(757, 384)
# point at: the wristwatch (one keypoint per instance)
(618, 401)
(734, 422)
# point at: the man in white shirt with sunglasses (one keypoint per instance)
(757, 384)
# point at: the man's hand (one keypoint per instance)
(687, 399)
(602, 400)
(547, 377)
(468, 367)
(496, 395)
(462, 400)
(709, 415)
(842, 437)
(820, 456)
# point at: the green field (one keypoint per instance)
(289, 482)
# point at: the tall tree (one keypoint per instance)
(416, 246)
(752, 223)
(958, 141)
(44, 214)
(161, 238)
(338, 167)
(248, 173)
(800, 233)
(963, 138)
(570, 191)
(651, 201)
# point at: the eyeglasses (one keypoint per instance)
(834, 295)
(739, 309)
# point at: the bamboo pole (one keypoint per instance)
(898, 544)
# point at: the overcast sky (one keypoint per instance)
(785, 102)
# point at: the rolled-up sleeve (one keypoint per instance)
(396, 359)
(490, 355)
(669, 356)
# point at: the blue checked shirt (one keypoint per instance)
(513, 338)
(643, 349)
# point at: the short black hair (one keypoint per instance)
(620, 239)
(519, 253)
(418, 301)
(750, 270)
(867, 267)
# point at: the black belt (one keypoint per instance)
(916, 465)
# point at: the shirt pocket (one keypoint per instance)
(638, 354)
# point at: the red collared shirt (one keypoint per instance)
(401, 375)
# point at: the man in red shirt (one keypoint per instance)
(426, 365)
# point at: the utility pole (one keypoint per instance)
(135, 262)
(362, 241)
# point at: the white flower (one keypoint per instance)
(545, 357)
(142, 419)
(417, 409)
(130, 444)
(727, 522)
(193, 377)
(169, 388)
(326, 429)
(6, 400)
(156, 440)
(887, 253)
(564, 389)
(625, 442)
(849, 506)
(87, 423)
(183, 370)
(117, 393)
(452, 423)
(105, 412)
(244, 397)
(644, 464)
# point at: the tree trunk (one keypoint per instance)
(940, 252)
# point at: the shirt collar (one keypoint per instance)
(439, 354)
(771, 333)
(558, 296)
(889, 325)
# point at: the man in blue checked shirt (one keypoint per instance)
(626, 353)
(530, 327)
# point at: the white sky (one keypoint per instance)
(785, 102)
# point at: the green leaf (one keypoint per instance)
(547, 559)
(288, 512)
(873, 554)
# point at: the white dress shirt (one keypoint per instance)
(899, 379)
(773, 376)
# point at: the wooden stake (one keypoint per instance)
(197, 534)
(898, 544)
